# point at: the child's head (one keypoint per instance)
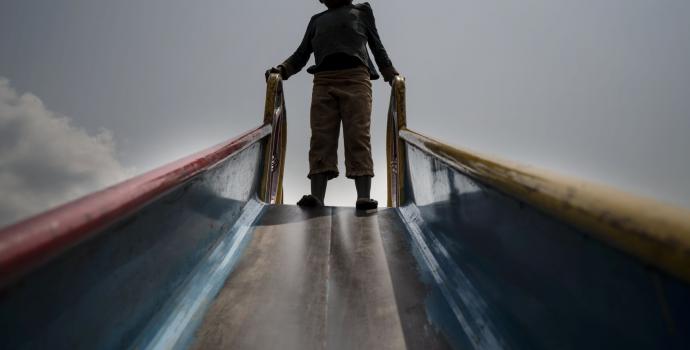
(335, 3)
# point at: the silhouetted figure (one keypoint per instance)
(338, 38)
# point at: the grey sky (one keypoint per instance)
(597, 89)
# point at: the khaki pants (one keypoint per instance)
(343, 95)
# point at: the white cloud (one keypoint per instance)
(45, 160)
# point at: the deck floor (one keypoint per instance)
(322, 279)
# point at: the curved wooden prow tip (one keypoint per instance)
(271, 190)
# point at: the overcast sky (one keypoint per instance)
(599, 89)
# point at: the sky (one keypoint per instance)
(95, 91)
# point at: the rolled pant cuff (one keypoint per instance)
(353, 174)
(331, 173)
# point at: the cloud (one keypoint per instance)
(45, 160)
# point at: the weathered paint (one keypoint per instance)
(511, 275)
(176, 323)
(395, 147)
(34, 241)
(274, 155)
(464, 302)
(655, 232)
(103, 292)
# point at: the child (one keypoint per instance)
(338, 38)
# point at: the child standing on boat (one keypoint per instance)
(343, 72)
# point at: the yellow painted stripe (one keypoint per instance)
(655, 232)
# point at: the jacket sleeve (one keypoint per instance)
(380, 54)
(299, 59)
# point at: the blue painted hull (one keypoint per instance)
(104, 292)
(510, 276)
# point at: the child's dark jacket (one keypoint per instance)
(344, 30)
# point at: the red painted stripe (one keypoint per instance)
(32, 242)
